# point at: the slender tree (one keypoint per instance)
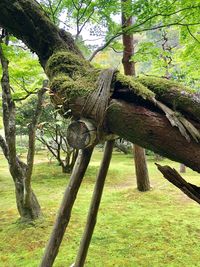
(142, 176)
(21, 172)
(52, 133)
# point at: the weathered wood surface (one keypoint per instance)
(95, 203)
(81, 134)
(64, 213)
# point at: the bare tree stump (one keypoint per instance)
(64, 213)
(95, 203)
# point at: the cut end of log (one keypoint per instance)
(81, 134)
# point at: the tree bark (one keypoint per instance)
(28, 22)
(29, 196)
(143, 183)
(152, 130)
(26, 200)
(131, 113)
(182, 168)
(141, 169)
(191, 190)
(64, 213)
(94, 206)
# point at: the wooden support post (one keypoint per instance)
(94, 207)
(64, 213)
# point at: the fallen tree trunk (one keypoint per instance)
(132, 112)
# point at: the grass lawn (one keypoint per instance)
(153, 229)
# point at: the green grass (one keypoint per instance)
(153, 229)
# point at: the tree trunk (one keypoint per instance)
(133, 113)
(182, 168)
(27, 204)
(152, 130)
(28, 210)
(64, 213)
(31, 209)
(94, 206)
(141, 170)
(66, 169)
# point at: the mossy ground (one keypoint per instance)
(153, 229)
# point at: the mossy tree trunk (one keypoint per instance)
(132, 114)
(141, 170)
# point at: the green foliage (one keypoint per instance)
(189, 56)
(165, 53)
(24, 113)
(146, 51)
(25, 72)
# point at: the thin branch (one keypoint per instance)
(86, 21)
(135, 30)
(162, 15)
(56, 9)
(52, 11)
(194, 37)
(83, 14)
(50, 148)
(104, 46)
(75, 5)
(119, 52)
(24, 97)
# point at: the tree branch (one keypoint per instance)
(192, 191)
(194, 37)
(134, 28)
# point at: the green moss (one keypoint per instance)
(70, 76)
(177, 96)
(69, 88)
(67, 63)
(137, 87)
(162, 86)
